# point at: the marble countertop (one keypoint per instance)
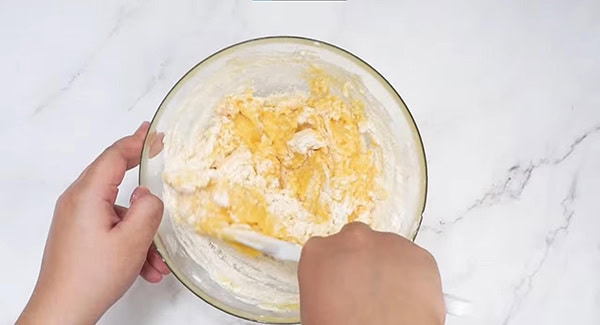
(506, 95)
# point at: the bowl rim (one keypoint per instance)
(303, 41)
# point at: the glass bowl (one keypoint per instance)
(270, 65)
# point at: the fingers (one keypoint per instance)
(154, 268)
(108, 169)
(355, 227)
(350, 237)
(156, 262)
(142, 218)
(156, 144)
(118, 215)
(356, 233)
(120, 211)
(150, 274)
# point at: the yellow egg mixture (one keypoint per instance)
(289, 166)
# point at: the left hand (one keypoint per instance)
(96, 249)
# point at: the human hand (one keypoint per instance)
(361, 276)
(96, 249)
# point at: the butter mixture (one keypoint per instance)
(291, 145)
(290, 166)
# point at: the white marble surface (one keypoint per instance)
(506, 94)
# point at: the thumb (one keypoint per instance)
(142, 218)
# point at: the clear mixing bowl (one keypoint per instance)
(273, 65)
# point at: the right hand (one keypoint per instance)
(361, 276)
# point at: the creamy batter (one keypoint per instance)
(290, 166)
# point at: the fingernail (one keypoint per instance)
(138, 193)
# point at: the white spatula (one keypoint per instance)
(285, 251)
(270, 246)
